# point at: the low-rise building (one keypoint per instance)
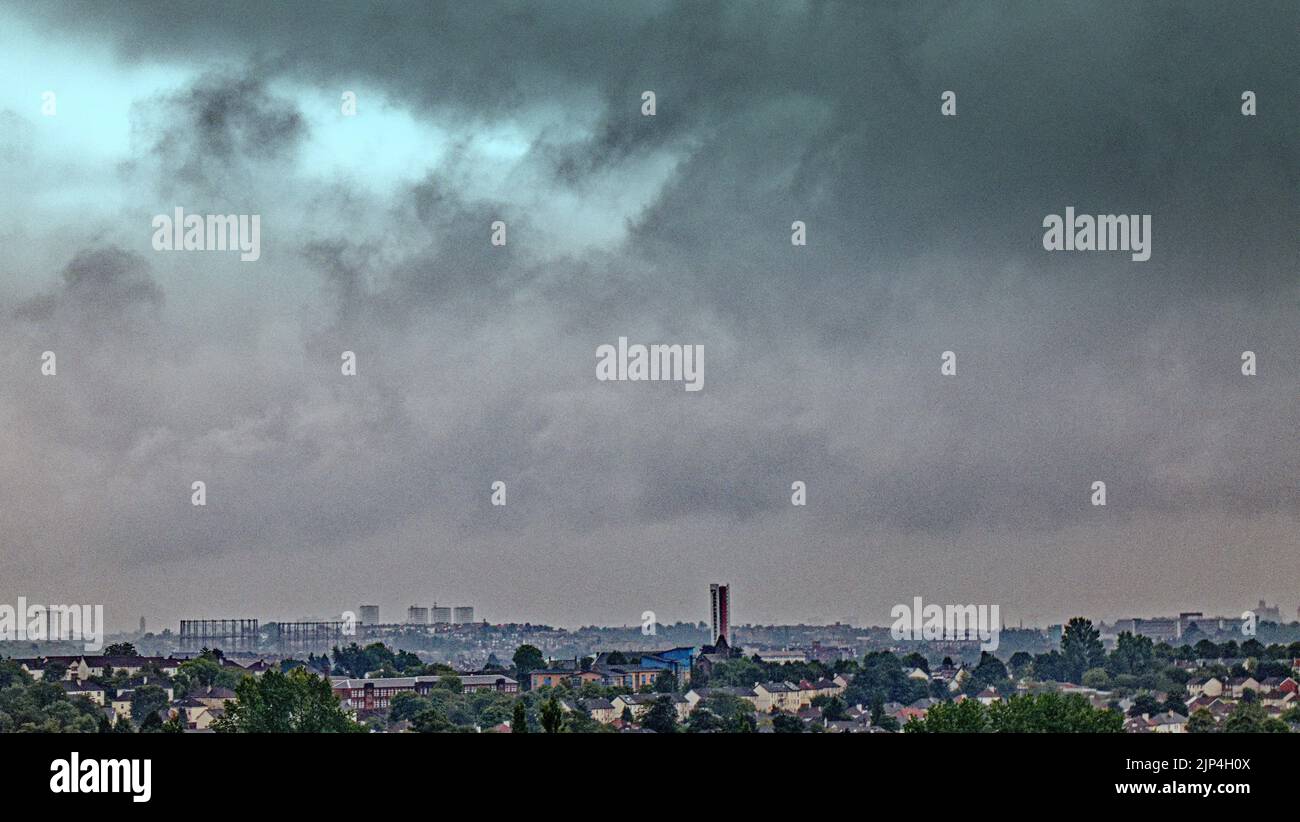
(679, 661)
(780, 656)
(1211, 687)
(697, 695)
(84, 690)
(364, 695)
(633, 677)
(639, 704)
(1240, 684)
(215, 696)
(83, 667)
(1168, 722)
(601, 710)
(782, 696)
(988, 696)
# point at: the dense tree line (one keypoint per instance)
(1029, 713)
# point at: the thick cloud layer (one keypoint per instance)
(476, 362)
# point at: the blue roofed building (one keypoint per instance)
(677, 660)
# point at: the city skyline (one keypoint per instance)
(1263, 609)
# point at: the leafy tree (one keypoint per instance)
(120, 649)
(528, 658)
(1205, 649)
(1020, 664)
(916, 660)
(741, 672)
(887, 723)
(552, 715)
(1250, 717)
(1144, 704)
(54, 672)
(580, 722)
(967, 716)
(405, 705)
(489, 707)
(519, 718)
(743, 723)
(1081, 648)
(408, 663)
(431, 720)
(1040, 713)
(1201, 722)
(1132, 655)
(1096, 678)
(11, 673)
(151, 724)
(662, 716)
(989, 673)
(28, 706)
(1051, 667)
(1173, 703)
(703, 720)
(197, 672)
(356, 661)
(835, 710)
(146, 701)
(1269, 668)
(735, 714)
(1052, 713)
(296, 702)
(883, 678)
(787, 724)
(204, 670)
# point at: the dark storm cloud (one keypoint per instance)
(829, 117)
(1057, 102)
(209, 135)
(827, 112)
(103, 321)
(821, 362)
(100, 285)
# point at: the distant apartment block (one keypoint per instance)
(780, 656)
(1187, 619)
(463, 615)
(441, 614)
(369, 614)
(1265, 612)
(1159, 630)
(720, 601)
(417, 615)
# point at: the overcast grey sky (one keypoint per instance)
(476, 363)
